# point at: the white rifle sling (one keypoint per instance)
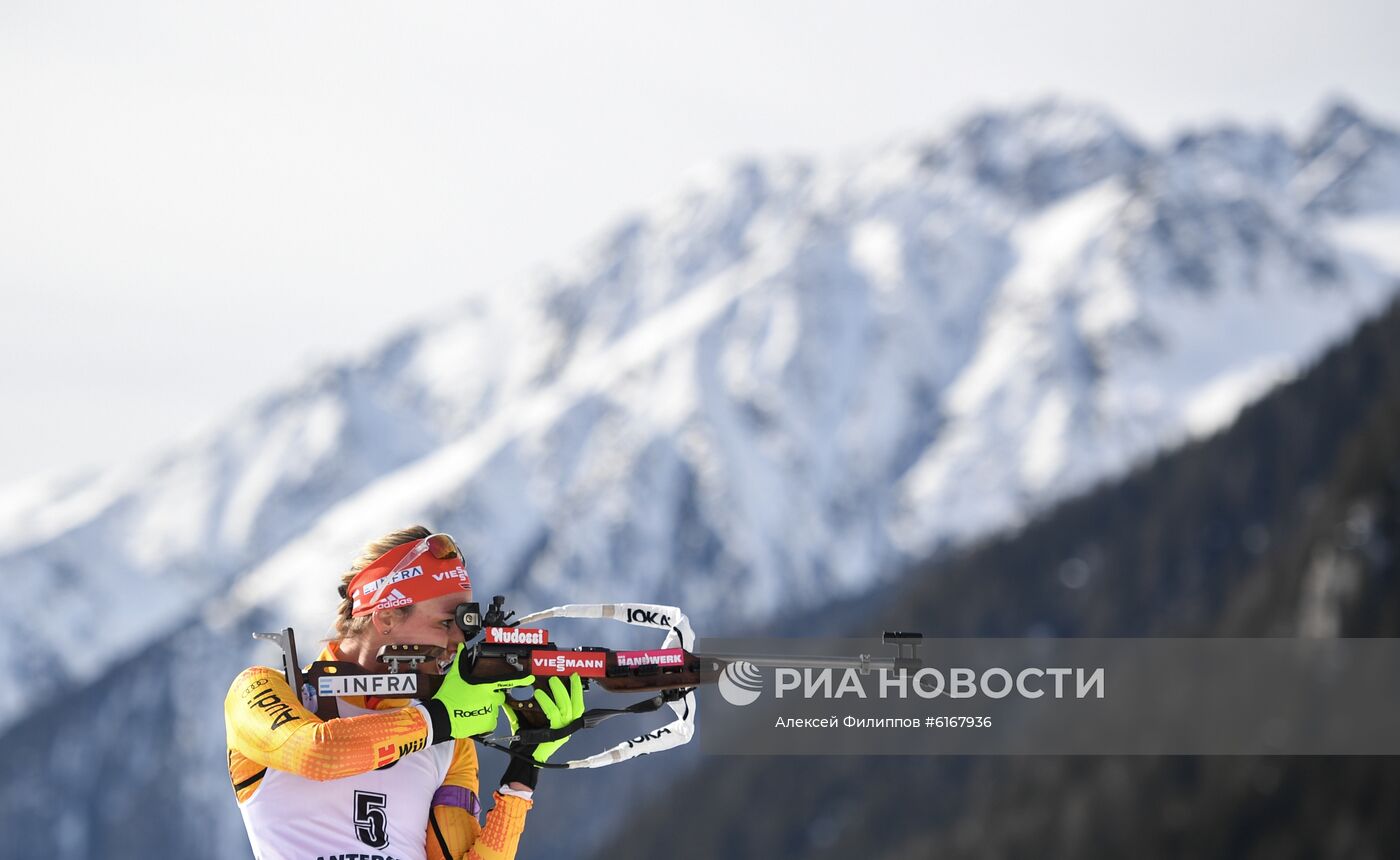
(676, 733)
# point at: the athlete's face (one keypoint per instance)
(431, 622)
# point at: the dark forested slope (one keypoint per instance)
(1285, 524)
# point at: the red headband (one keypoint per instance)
(409, 573)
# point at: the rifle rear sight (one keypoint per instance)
(471, 621)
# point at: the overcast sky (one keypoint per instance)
(198, 200)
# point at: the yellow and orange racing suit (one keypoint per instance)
(357, 786)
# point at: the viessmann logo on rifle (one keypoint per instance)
(517, 636)
(568, 663)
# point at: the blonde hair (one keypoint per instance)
(346, 624)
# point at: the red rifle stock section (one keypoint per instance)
(646, 671)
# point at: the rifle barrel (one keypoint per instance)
(862, 663)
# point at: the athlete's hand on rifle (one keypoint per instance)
(471, 708)
(561, 707)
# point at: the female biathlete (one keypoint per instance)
(388, 779)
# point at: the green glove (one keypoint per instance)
(461, 709)
(560, 706)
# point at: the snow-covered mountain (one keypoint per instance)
(770, 389)
(767, 390)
